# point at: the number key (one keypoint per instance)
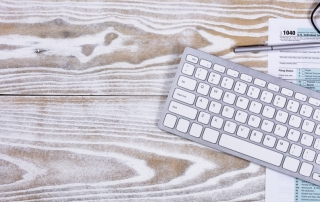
(214, 78)
(240, 87)
(266, 96)
(292, 106)
(316, 115)
(306, 110)
(227, 83)
(253, 92)
(201, 74)
(279, 101)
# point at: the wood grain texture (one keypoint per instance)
(125, 47)
(110, 148)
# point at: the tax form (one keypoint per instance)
(301, 66)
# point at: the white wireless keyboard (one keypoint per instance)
(245, 113)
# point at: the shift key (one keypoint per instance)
(182, 110)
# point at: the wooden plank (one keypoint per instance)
(124, 47)
(103, 148)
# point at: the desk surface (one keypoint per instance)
(85, 83)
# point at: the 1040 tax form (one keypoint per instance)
(301, 66)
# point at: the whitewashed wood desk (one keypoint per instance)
(83, 84)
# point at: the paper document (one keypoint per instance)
(303, 68)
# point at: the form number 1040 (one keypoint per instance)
(287, 32)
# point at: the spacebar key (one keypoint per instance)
(182, 110)
(250, 149)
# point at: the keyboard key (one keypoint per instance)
(205, 63)
(306, 169)
(184, 96)
(192, 59)
(279, 101)
(187, 83)
(229, 98)
(267, 126)
(269, 141)
(255, 107)
(295, 121)
(317, 144)
(293, 135)
(273, 87)
(227, 83)
(210, 135)
(216, 122)
(242, 102)
(216, 93)
(183, 125)
(188, 69)
(280, 130)
(253, 92)
(300, 97)
(170, 121)
(246, 77)
(293, 106)
(232, 73)
(240, 87)
(195, 130)
(308, 126)
(219, 68)
(260, 82)
(227, 112)
(286, 92)
(241, 116)
(202, 102)
(316, 176)
(243, 131)
(204, 117)
(295, 150)
(268, 112)
(306, 110)
(215, 107)
(230, 127)
(308, 155)
(254, 121)
(317, 132)
(282, 145)
(266, 96)
(282, 116)
(316, 115)
(201, 74)
(214, 78)
(306, 140)
(314, 101)
(250, 149)
(291, 164)
(318, 159)
(182, 110)
(203, 89)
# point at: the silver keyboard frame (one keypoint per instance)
(254, 74)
